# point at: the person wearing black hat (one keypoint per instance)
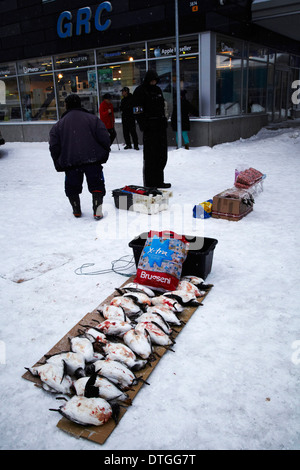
(128, 120)
(79, 145)
(149, 111)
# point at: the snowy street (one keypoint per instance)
(233, 381)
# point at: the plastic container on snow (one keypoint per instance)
(146, 201)
(198, 261)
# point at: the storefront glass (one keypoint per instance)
(80, 81)
(250, 78)
(113, 78)
(162, 55)
(10, 109)
(166, 70)
(78, 59)
(41, 64)
(166, 48)
(38, 97)
(257, 78)
(228, 76)
(125, 53)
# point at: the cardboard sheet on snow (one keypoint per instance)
(99, 434)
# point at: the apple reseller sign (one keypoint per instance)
(83, 21)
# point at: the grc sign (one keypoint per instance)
(83, 21)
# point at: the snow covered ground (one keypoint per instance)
(233, 381)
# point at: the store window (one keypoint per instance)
(38, 97)
(257, 79)
(39, 65)
(80, 81)
(167, 47)
(126, 53)
(228, 76)
(189, 81)
(295, 80)
(10, 109)
(75, 60)
(113, 78)
(163, 60)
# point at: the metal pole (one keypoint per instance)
(179, 127)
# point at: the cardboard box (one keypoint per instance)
(230, 208)
(99, 434)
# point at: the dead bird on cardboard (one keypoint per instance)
(82, 345)
(173, 304)
(74, 362)
(139, 342)
(115, 371)
(168, 315)
(110, 312)
(122, 353)
(129, 306)
(98, 386)
(157, 334)
(114, 327)
(157, 318)
(135, 287)
(88, 411)
(186, 299)
(53, 377)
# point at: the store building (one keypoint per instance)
(239, 61)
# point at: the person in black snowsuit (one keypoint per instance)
(186, 110)
(149, 110)
(128, 120)
(79, 145)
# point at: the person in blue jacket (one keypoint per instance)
(79, 145)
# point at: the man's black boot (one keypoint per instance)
(75, 203)
(97, 205)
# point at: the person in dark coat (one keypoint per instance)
(106, 112)
(128, 120)
(149, 111)
(79, 145)
(186, 110)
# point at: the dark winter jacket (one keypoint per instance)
(127, 110)
(186, 110)
(78, 138)
(149, 105)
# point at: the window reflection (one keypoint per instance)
(9, 100)
(83, 82)
(113, 78)
(38, 97)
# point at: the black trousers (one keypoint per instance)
(129, 130)
(94, 178)
(112, 134)
(155, 157)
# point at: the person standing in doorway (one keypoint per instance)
(186, 110)
(128, 119)
(106, 111)
(79, 145)
(149, 110)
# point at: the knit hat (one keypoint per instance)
(72, 102)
